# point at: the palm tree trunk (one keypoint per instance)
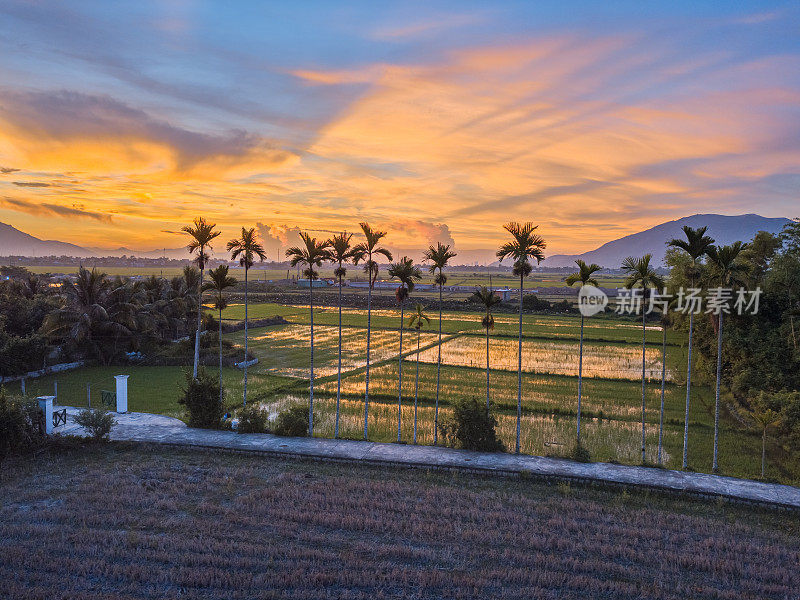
(663, 380)
(199, 320)
(311, 380)
(339, 376)
(580, 382)
(715, 465)
(487, 370)
(519, 366)
(400, 379)
(244, 402)
(688, 394)
(369, 329)
(438, 372)
(416, 389)
(643, 380)
(220, 356)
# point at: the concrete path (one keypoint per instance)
(143, 427)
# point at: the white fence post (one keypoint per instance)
(122, 393)
(46, 404)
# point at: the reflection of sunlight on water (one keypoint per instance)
(622, 362)
(606, 439)
(285, 350)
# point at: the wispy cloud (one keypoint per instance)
(46, 209)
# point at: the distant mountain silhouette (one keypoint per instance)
(724, 229)
(15, 242)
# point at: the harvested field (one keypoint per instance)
(124, 522)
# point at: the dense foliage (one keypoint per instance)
(470, 426)
(93, 316)
(19, 425)
(201, 397)
(761, 361)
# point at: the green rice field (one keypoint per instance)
(611, 407)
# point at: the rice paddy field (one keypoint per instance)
(611, 405)
(98, 522)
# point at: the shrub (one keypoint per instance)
(97, 421)
(252, 419)
(471, 427)
(19, 425)
(201, 397)
(580, 453)
(292, 422)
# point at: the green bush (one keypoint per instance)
(580, 453)
(292, 422)
(470, 427)
(19, 425)
(97, 422)
(201, 397)
(253, 419)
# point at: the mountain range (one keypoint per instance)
(724, 229)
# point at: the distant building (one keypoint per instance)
(317, 283)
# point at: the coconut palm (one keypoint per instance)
(765, 419)
(696, 245)
(202, 234)
(417, 320)
(366, 251)
(406, 272)
(727, 267)
(489, 300)
(85, 317)
(340, 253)
(438, 257)
(584, 277)
(525, 246)
(246, 248)
(219, 281)
(641, 273)
(311, 254)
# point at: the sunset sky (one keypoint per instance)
(120, 122)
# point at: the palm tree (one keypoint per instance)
(202, 233)
(366, 251)
(417, 320)
(524, 246)
(85, 317)
(765, 419)
(727, 266)
(406, 272)
(665, 321)
(219, 281)
(438, 256)
(641, 273)
(584, 277)
(695, 245)
(311, 254)
(489, 300)
(340, 253)
(246, 249)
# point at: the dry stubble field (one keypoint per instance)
(136, 522)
